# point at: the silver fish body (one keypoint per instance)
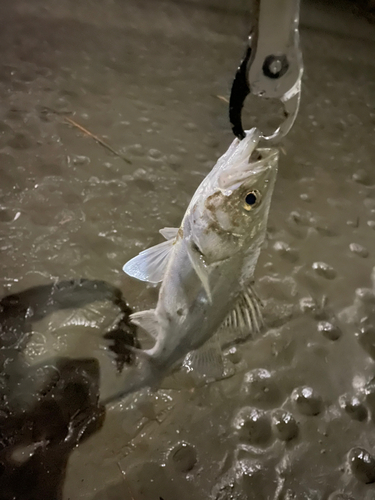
(207, 265)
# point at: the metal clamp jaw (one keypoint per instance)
(272, 66)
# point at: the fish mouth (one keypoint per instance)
(248, 149)
(263, 155)
(262, 170)
(265, 164)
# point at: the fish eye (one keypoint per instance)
(252, 199)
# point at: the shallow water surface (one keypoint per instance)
(296, 421)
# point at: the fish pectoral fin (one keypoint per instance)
(200, 267)
(147, 320)
(169, 233)
(150, 264)
(246, 319)
(207, 361)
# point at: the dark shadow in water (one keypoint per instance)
(38, 430)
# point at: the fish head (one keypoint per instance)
(232, 211)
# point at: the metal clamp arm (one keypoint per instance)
(272, 67)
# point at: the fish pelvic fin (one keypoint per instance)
(148, 321)
(246, 318)
(200, 267)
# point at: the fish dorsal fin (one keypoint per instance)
(150, 264)
(207, 361)
(169, 233)
(146, 320)
(200, 267)
(246, 318)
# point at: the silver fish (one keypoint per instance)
(207, 265)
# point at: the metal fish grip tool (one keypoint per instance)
(272, 66)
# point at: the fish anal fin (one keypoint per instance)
(246, 319)
(206, 362)
(150, 264)
(146, 320)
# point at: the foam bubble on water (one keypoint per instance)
(324, 270)
(362, 465)
(183, 457)
(307, 401)
(284, 425)
(252, 426)
(353, 407)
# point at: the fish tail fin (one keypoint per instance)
(145, 373)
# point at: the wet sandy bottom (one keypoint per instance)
(297, 419)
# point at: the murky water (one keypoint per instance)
(297, 420)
